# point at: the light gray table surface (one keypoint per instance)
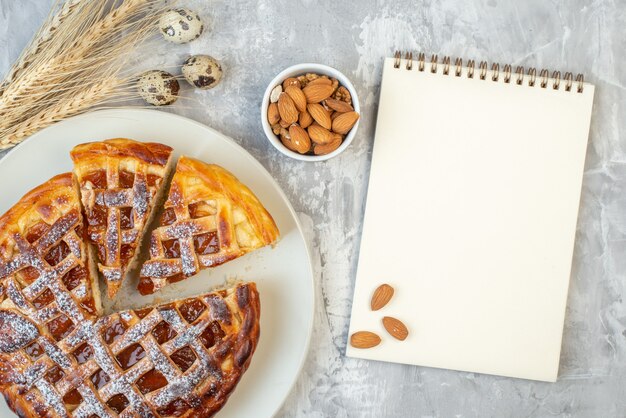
(257, 39)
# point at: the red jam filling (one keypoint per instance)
(184, 358)
(114, 332)
(206, 243)
(163, 332)
(97, 178)
(130, 356)
(151, 381)
(118, 403)
(191, 309)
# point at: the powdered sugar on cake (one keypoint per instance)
(17, 332)
(57, 354)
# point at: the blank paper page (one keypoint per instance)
(471, 216)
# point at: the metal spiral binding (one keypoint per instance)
(544, 80)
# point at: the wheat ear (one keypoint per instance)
(78, 61)
(91, 97)
(39, 41)
(109, 26)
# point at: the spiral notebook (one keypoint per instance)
(471, 214)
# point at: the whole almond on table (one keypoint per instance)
(319, 115)
(364, 339)
(338, 105)
(300, 139)
(273, 116)
(287, 108)
(344, 122)
(297, 96)
(305, 119)
(395, 328)
(317, 92)
(382, 295)
(319, 134)
(323, 149)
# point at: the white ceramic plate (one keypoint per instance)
(283, 274)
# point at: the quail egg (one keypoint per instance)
(180, 25)
(158, 87)
(202, 71)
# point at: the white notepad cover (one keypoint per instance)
(471, 217)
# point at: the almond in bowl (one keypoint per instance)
(310, 112)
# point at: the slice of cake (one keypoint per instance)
(121, 181)
(42, 249)
(209, 218)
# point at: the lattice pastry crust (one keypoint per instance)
(209, 218)
(59, 358)
(120, 183)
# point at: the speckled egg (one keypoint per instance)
(202, 71)
(158, 87)
(180, 26)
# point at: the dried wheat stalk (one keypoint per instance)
(40, 40)
(93, 96)
(78, 60)
(71, 52)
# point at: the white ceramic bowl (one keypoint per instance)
(294, 71)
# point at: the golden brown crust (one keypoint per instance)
(149, 152)
(218, 182)
(119, 180)
(58, 357)
(53, 203)
(41, 246)
(245, 343)
(210, 218)
(187, 358)
(56, 192)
